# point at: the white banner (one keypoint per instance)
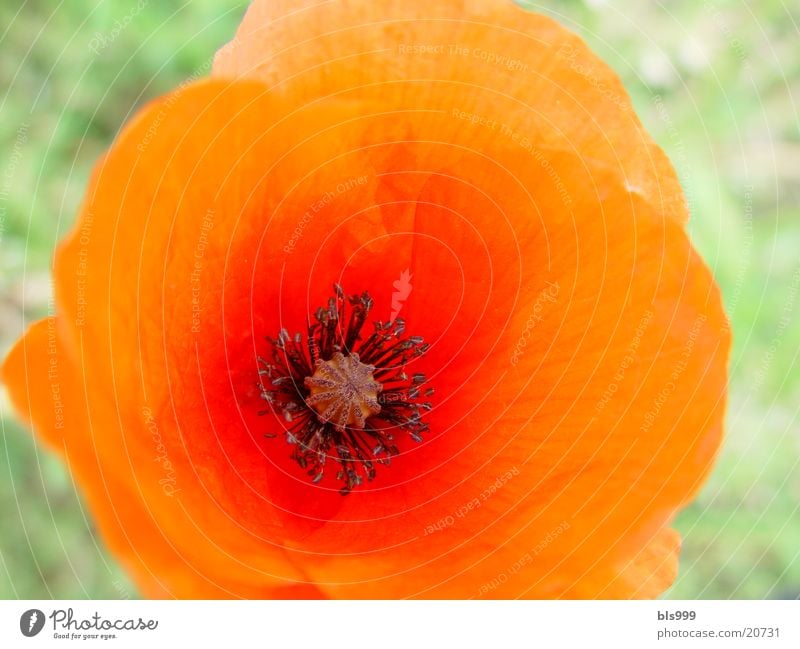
(400, 625)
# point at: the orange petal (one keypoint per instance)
(490, 60)
(53, 390)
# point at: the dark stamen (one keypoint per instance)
(343, 397)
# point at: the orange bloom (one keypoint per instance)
(545, 386)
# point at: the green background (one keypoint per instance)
(713, 82)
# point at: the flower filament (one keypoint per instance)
(344, 397)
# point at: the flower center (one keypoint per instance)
(343, 391)
(344, 396)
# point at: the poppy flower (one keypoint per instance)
(398, 303)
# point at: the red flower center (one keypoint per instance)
(345, 397)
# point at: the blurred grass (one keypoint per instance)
(725, 80)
